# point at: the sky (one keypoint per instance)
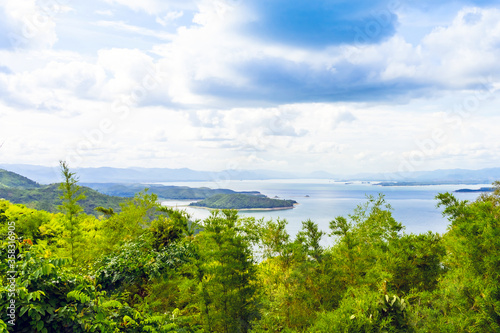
(335, 85)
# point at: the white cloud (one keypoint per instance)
(113, 75)
(463, 52)
(169, 18)
(153, 7)
(104, 12)
(122, 26)
(30, 24)
(454, 57)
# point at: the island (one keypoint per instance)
(430, 183)
(243, 202)
(482, 189)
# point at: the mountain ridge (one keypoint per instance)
(47, 175)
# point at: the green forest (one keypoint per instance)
(242, 201)
(21, 190)
(148, 268)
(47, 198)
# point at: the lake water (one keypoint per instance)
(414, 206)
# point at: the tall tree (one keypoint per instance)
(72, 193)
(470, 291)
(227, 274)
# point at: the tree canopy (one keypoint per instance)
(147, 268)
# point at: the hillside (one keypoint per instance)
(47, 198)
(242, 201)
(10, 179)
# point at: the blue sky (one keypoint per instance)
(340, 86)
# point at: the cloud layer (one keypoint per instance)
(280, 85)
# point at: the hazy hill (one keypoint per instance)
(47, 198)
(11, 179)
(47, 175)
(162, 191)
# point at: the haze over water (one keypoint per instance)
(413, 206)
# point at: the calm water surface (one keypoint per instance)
(414, 206)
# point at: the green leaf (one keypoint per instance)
(23, 310)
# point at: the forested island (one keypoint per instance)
(149, 268)
(482, 189)
(243, 201)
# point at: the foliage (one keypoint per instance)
(136, 262)
(226, 274)
(470, 292)
(71, 195)
(365, 310)
(52, 299)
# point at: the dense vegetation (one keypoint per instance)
(21, 190)
(48, 198)
(242, 201)
(162, 191)
(151, 269)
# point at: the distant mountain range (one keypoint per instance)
(445, 176)
(47, 175)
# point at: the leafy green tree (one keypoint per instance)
(107, 212)
(366, 310)
(469, 293)
(415, 263)
(226, 274)
(52, 297)
(310, 237)
(289, 276)
(363, 242)
(26, 220)
(71, 194)
(134, 219)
